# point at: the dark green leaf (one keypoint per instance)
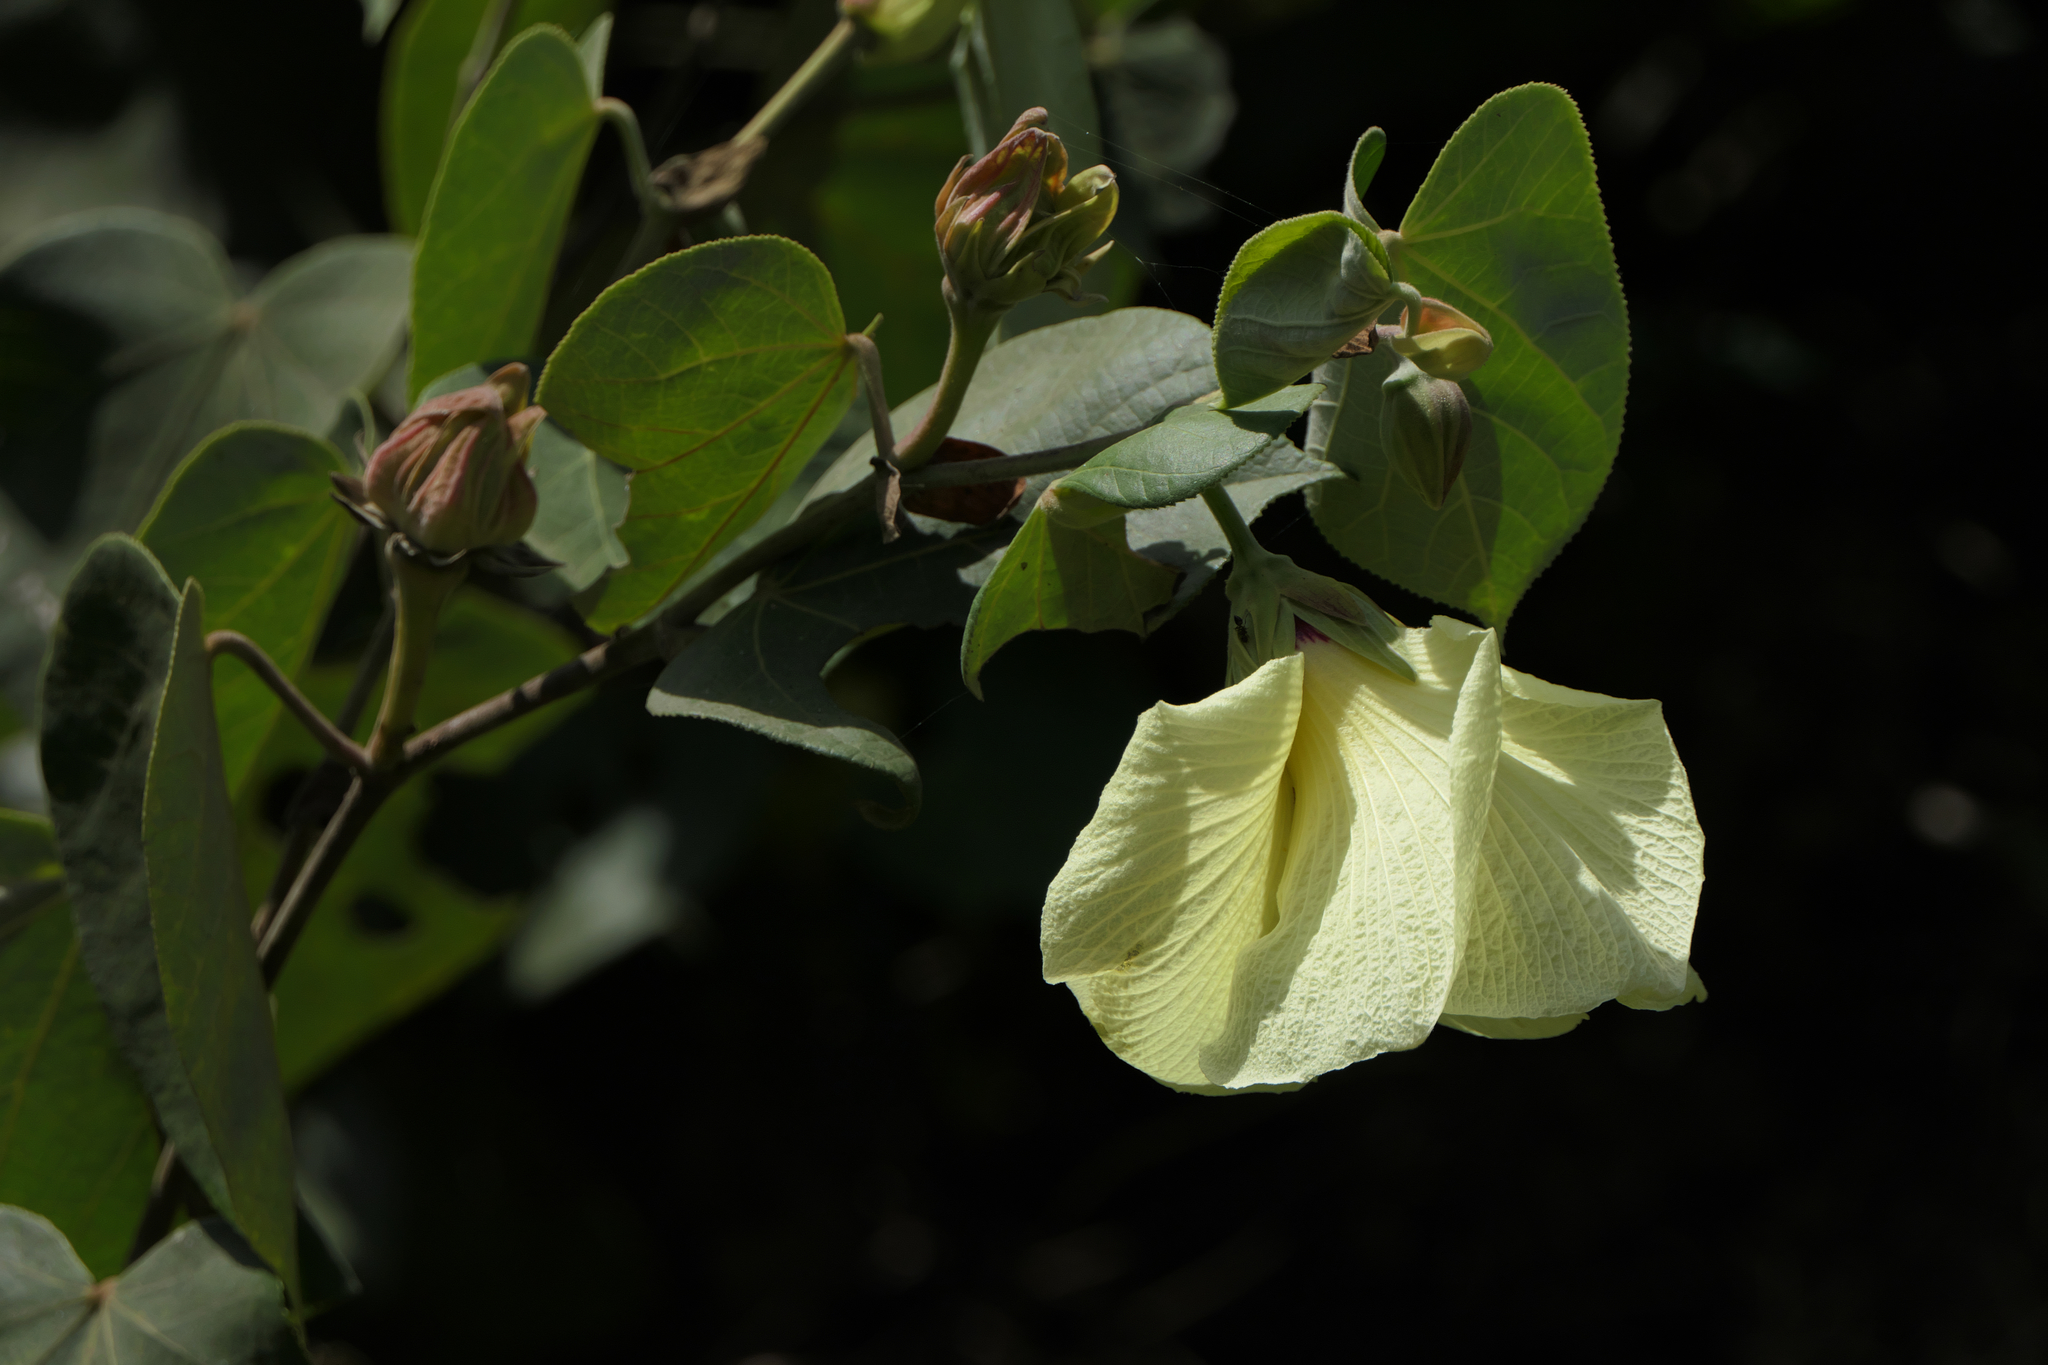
(500, 205)
(214, 994)
(1054, 576)
(76, 1139)
(183, 352)
(1194, 448)
(760, 667)
(250, 515)
(393, 930)
(1296, 292)
(610, 894)
(109, 655)
(421, 70)
(712, 374)
(1508, 227)
(1022, 53)
(198, 1296)
(1166, 90)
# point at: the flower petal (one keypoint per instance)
(1362, 954)
(1592, 860)
(1176, 872)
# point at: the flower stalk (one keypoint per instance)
(421, 591)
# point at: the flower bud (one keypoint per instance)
(1426, 427)
(453, 476)
(1444, 344)
(1272, 598)
(1013, 225)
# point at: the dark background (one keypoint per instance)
(843, 1120)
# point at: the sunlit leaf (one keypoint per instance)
(499, 207)
(156, 309)
(713, 374)
(198, 1295)
(250, 515)
(1507, 227)
(1295, 292)
(214, 994)
(422, 69)
(76, 1139)
(1194, 448)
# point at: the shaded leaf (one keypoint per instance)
(249, 514)
(610, 894)
(393, 931)
(499, 207)
(109, 655)
(761, 666)
(213, 989)
(713, 374)
(1021, 53)
(1296, 291)
(1167, 91)
(582, 498)
(1055, 576)
(1509, 228)
(1194, 448)
(422, 68)
(198, 1295)
(182, 351)
(76, 1140)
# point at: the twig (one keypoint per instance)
(344, 749)
(888, 478)
(365, 793)
(802, 83)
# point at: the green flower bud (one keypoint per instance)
(1426, 427)
(453, 476)
(907, 29)
(1272, 601)
(1013, 225)
(1444, 344)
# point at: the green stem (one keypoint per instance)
(422, 591)
(657, 223)
(802, 84)
(972, 328)
(1243, 547)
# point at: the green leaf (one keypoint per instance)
(393, 931)
(198, 1295)
(1365, 163)
(1194, 448)
(500, 205)
(214, 994)
(1508, 227)
(761, 667)
(109, 655)
(1054, 576)
(76, 1139)
(422, 69)
(1021, 53)
(712, 374)
(250, 515)
(1296, 292)
(154, 303)
(582, 498)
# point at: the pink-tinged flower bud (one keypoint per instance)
(1014, 225)
(453, 476)
(1443, 343)
(1426, 427)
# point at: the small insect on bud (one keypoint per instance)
(1014, 225)
(1443, 342)
(1426, 427)
(453, 476)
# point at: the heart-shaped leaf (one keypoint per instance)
(198, 1295)
(499, 207)
(1194, 448)
(422, 77)
(76, 1139)
(214, 995)
(1507, 227)
(1296, 291)
(712, 374)
(760, 667)
(250, 515)
(151, 303)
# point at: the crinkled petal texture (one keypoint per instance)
(1591, 865)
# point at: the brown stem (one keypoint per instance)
(365, 793)
(343, 749)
